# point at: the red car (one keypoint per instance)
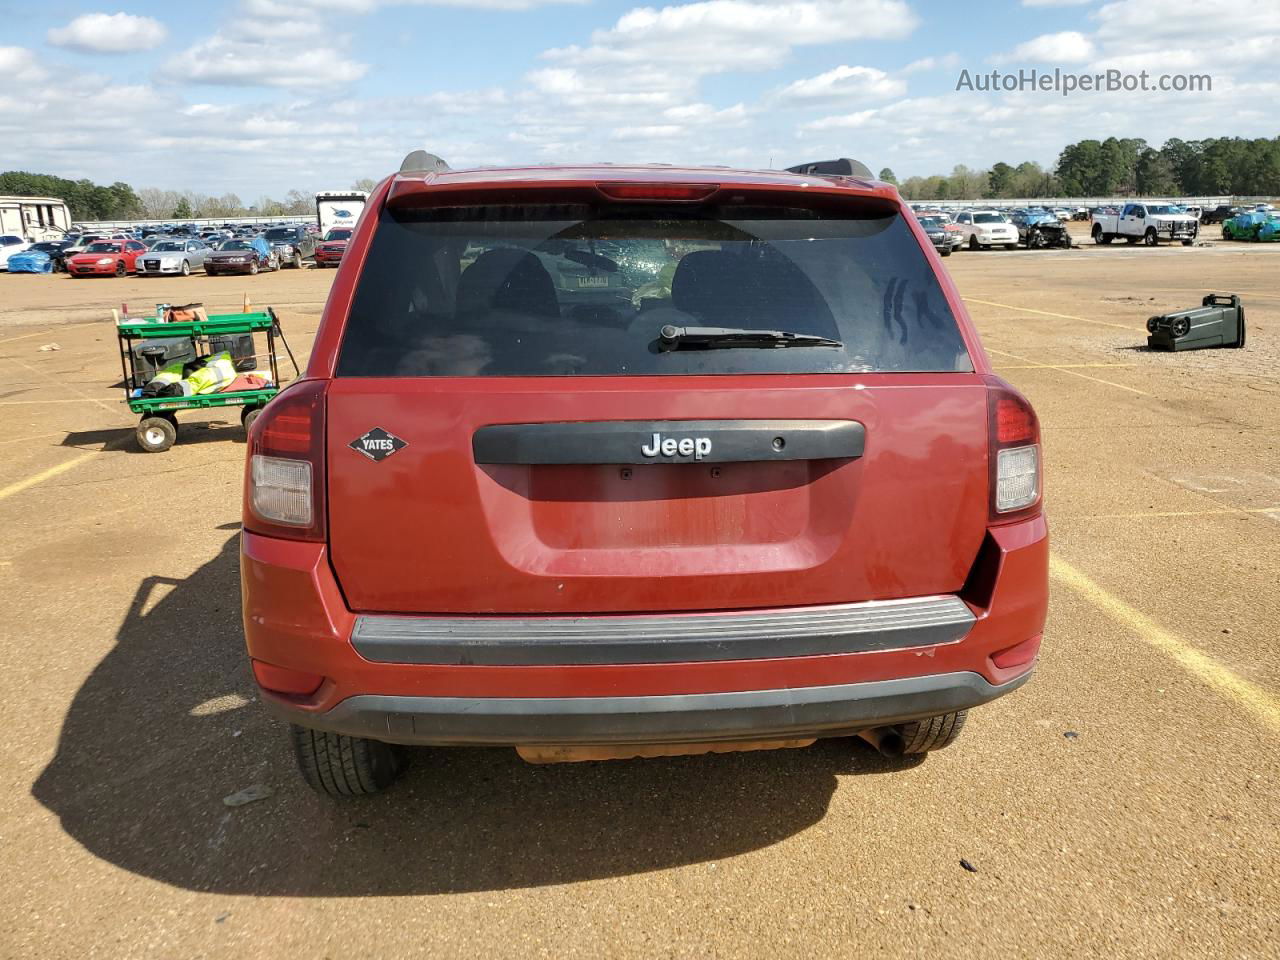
(106, 258)
(329, 250)
(611, 461)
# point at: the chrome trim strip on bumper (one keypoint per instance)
(625, 638)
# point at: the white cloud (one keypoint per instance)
(109, 33)
(1069, 46)
(844, 83)
(949, 61)
(250, 62)
(717, 36)
(19, 66)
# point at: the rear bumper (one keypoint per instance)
(695, 677)
(835, 710)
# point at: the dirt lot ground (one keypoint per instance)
(1123, 804)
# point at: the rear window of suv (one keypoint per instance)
(577, 290)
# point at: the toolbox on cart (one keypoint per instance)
(153, 354)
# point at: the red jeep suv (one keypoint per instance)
(609, 461)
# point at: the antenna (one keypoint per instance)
(419, 161)
(843, 167)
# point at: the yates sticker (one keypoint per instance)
(377, 444)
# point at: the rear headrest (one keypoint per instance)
(759, 288)
(507, 279)
(708, 284)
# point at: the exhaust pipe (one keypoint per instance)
(887, 740)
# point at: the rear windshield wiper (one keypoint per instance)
(673, 338)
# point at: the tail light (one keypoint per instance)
(284, 477)
(677, 192)
(1013, 437)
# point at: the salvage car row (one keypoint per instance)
(120, 254)
(1032, 228)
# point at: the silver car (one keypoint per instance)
(172, 256)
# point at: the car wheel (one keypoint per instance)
(253, 267)
(157, 433)
(186, 269)
(973, 242)
(1150, 238)
(945, 252)
(247, 417)
(923, 736)
(121, 269)
(1187, 243)
(1097, 234)
(340, 766)
(297, 259)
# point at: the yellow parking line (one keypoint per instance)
(1263, 705)
(1084, 376)
(43, 475)
(1045, 313)
(51, 332)
(27, 403)
(1057, 366)
(115, 412)
(1229, 511)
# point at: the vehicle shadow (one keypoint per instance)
(167, 725)
(189, 432)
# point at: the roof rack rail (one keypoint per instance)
(843, 167)
(419, 161)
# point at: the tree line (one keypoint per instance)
(1117, 167)
(119, 201)
(85, 199)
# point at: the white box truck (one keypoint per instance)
(339, 208)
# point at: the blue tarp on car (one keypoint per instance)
(31, 261)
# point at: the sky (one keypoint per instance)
(261, 96)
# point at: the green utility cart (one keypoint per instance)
(158, 424)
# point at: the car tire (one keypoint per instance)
(944, 252)
(336, 765)
(297, 259)
(1150, 238)
(1187, 243)
(157, 433)
(973, 242)
(247, 417)
(186, 269)
(253, 267)
(935, 733)
(1098, 235)
(121, 269)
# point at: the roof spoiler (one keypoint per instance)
(843, 167)
(419, 161)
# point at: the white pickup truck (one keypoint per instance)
(1148, 221)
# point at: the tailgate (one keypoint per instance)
(478, 510)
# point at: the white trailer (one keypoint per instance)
(34, 218)
(339, 208)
